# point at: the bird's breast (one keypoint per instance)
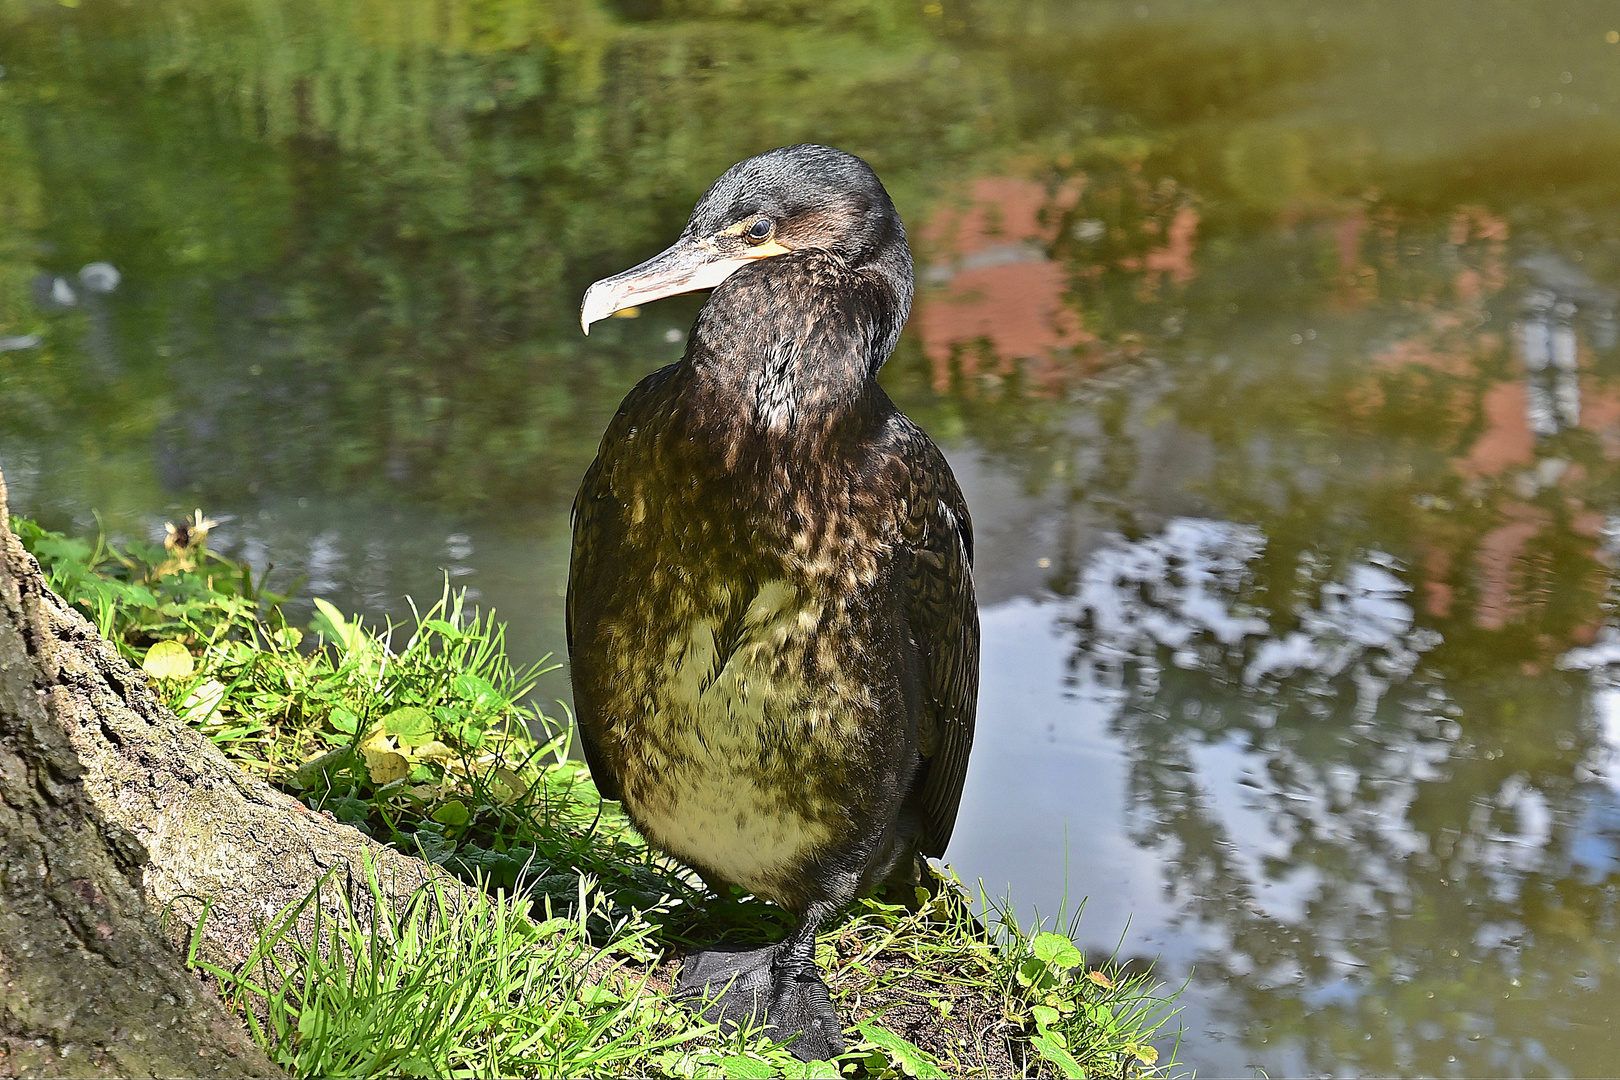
(742, 667)
(737, 722)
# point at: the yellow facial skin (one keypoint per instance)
(688, 265)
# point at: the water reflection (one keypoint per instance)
(1366, 709)
(1180, 592)
(1351, 861)
(1320, 809)
(995, 291)
(1548, 343)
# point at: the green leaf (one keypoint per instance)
(1035, 973)
(478, 692)
(53, 549)
(344, 720)
(910, 1057)
(1058, 1056)
(818, 1070)
(1044, 1015)
(1056, 951)
(432, 845)
(349, 810)
(412, 725)
(168, 660)
(330, 623)
(742, 1067)
(1103, 1017)
(453, 813)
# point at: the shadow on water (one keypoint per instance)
(1274, 344)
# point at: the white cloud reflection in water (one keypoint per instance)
(1259, 802)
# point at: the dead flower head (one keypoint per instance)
(189, 534)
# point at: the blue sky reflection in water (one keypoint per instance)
(1274, 343)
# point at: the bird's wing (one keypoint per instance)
(590, 518)
(598, 521)
(944, 620)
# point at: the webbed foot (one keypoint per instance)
(770, 988)
(728, 985)
(800, 1002)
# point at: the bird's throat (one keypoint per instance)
(792, 347)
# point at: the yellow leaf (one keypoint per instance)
(1100, 979)
(432, 749)
(168, 660)
(203, 700)
(512, 783)
(385, 766)
(377, 739)
(1147, 1054)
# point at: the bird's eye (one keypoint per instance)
(759, 231)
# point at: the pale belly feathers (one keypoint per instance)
(721, 746)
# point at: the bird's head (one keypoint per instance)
(797, 198)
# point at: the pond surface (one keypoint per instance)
(1274, 344)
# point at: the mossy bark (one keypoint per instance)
(112, 814)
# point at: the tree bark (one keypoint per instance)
(112, 814)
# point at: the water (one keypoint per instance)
(1274, 344)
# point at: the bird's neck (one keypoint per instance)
(791, 347)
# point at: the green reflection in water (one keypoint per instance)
(1342, 274)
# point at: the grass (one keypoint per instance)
(422, 736)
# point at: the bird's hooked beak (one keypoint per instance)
(690, 264)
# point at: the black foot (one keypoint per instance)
(760, 988)
(728, 985)
(800, 1002)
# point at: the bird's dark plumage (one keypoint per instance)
(771, 619)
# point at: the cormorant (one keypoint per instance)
(771, 621)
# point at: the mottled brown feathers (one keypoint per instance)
(944, 620)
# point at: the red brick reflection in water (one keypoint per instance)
(1504, 464)
(1437, 592)
(995, 284)
(1506, 453)
(1175, 259)
(1476, 225)
(1600, 414)
(1507, 440)
(1358, 282)
(1499, 563)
